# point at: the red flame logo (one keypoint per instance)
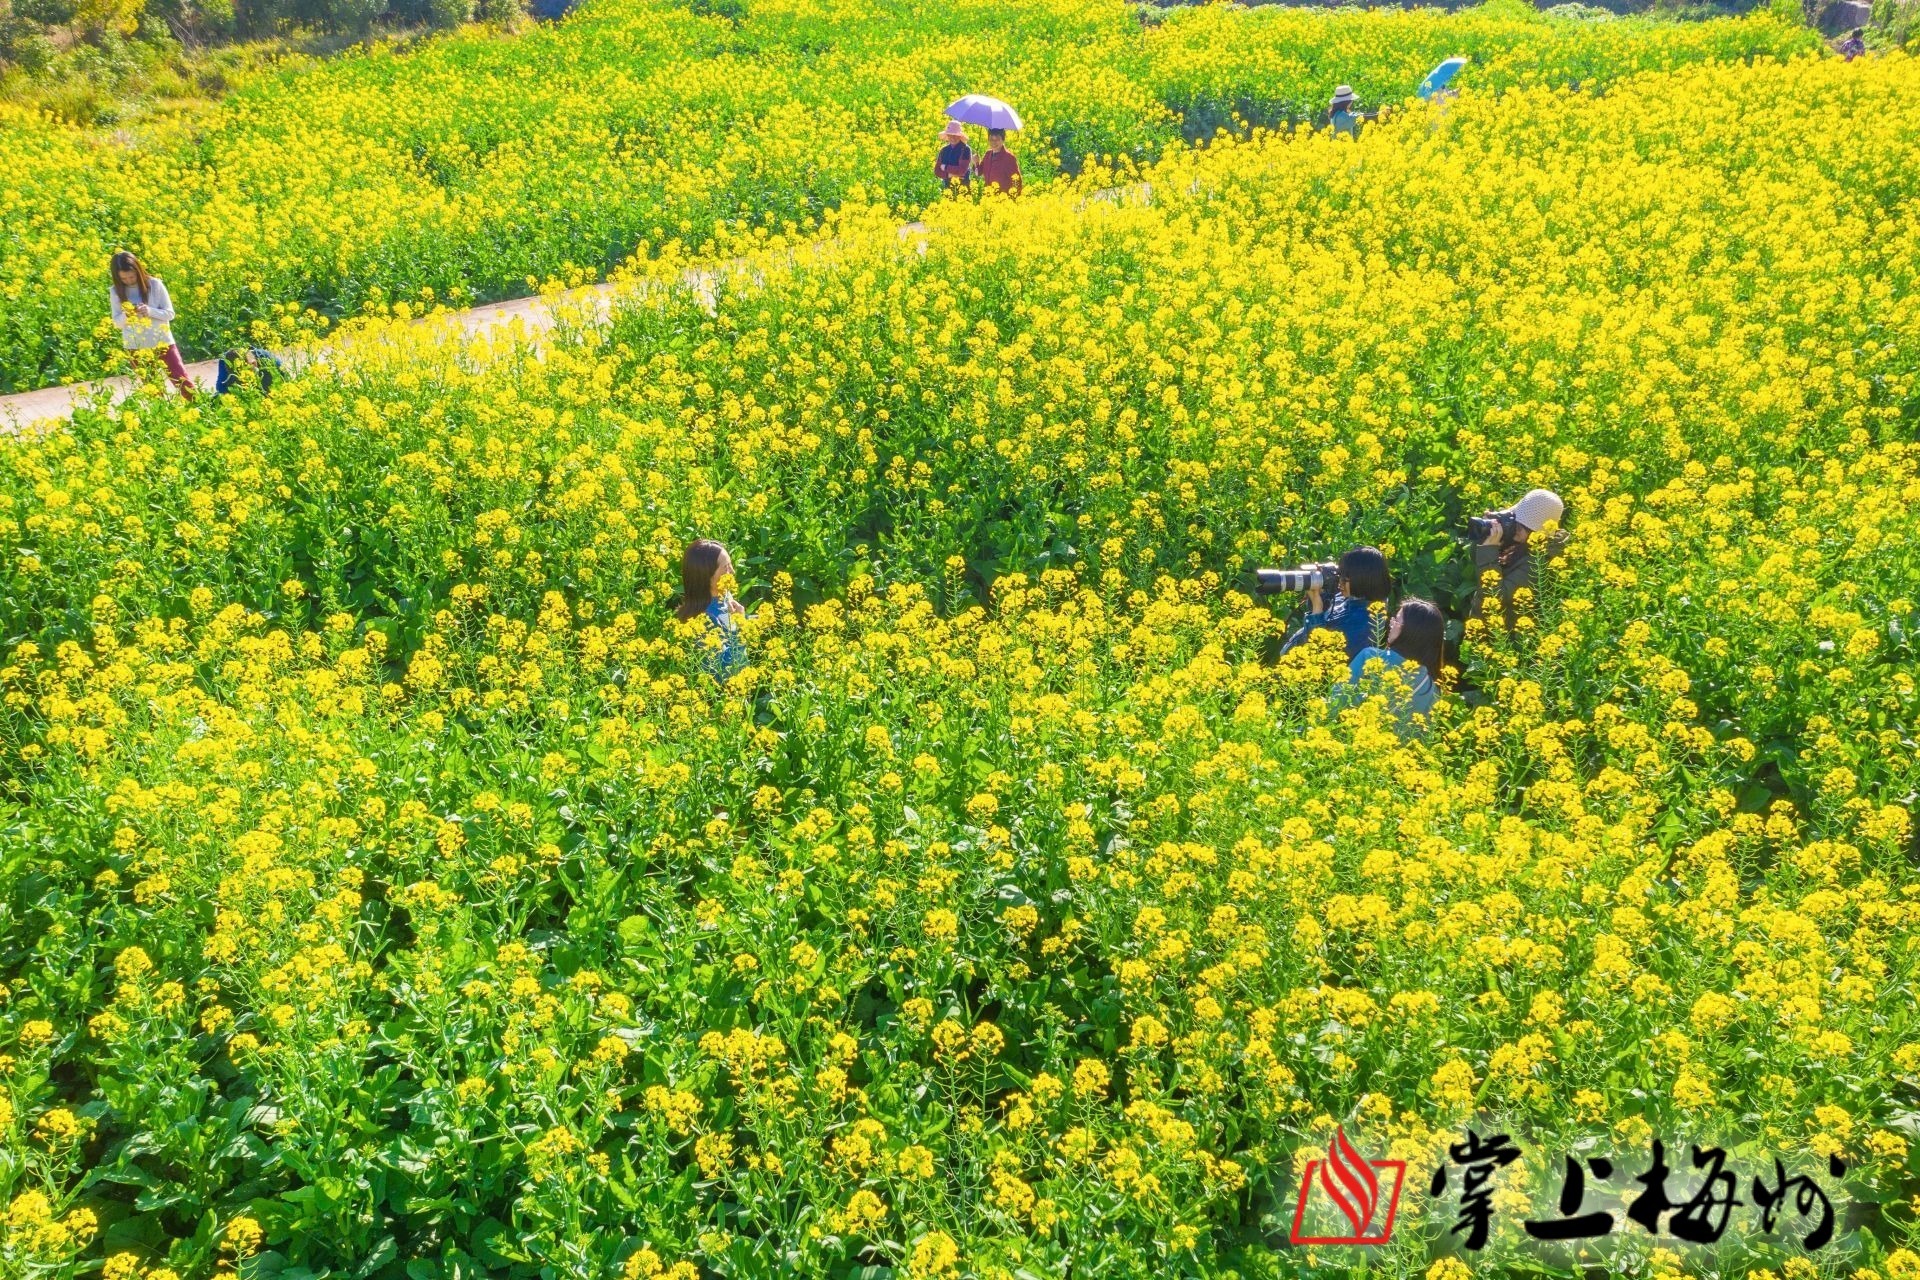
(1366, 1192)
(1350, 1182)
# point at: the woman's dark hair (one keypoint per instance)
(124, 261)
(1365, 570)
(697, 568)
(1423, 634)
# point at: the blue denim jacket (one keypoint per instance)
(1418, 699)
(1346, 615)
(730, 654)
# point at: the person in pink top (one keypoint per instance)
(143, 313)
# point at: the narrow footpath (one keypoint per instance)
(534, 315)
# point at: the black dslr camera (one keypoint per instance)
(1269, 582)
(1494, 529)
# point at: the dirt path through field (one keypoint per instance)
(535, 315)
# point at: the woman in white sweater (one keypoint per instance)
(143, 313)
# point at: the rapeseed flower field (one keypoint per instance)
(389, 890)
(477, 167)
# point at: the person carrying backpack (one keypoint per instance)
(255, 367)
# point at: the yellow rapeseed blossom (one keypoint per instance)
(1017, 905)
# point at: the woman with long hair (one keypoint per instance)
(143, 313)
(706, 589)
(1415, 642)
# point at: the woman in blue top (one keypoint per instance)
(706, 580)
(1414, 640)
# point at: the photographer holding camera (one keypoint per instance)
(1358, 580)
(1506, 541)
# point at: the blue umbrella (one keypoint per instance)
(988, 113)
(1438, 78)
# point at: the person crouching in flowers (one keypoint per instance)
(254, 367)
(706, 582)
(1415, 639)
(1340, 113)
(143, 313)
(1507, 542)
(1363, 582)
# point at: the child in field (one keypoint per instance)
(143, 313)
(706, 581)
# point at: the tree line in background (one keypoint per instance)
(74, 56)
(206, 21)
(92, 61)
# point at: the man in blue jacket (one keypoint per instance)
(1363, 580)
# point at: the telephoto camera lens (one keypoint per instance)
(1269, 582)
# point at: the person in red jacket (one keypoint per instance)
(999, 168)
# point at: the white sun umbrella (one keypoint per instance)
(988, 113)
